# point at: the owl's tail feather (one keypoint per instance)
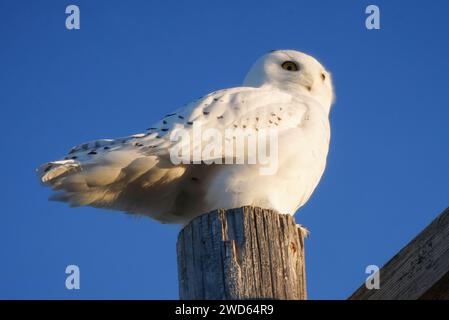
(97, 183)
(81, 184)
(50, 172)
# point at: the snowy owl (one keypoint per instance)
(285, 90)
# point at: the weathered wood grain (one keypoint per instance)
(244, 253)
(419, 271)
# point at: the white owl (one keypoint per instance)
(285, 90)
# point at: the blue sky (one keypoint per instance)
(133, 61)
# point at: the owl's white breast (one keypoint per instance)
(302, 160)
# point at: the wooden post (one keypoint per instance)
(244, 253)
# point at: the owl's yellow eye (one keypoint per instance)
(290, 66)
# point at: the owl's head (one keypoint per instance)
(292, 71)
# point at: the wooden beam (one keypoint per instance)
(244, 253)
(419, 271)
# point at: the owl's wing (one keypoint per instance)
(103, 172)
(239, 110)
